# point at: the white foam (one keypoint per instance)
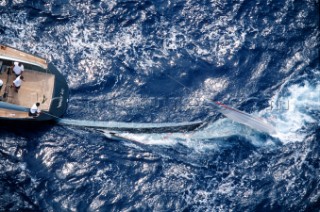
(262, 66)
(3, 3)
(290, 114)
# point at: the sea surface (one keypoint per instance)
(160, 61)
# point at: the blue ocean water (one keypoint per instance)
(158, 61)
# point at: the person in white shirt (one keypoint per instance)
(34, 110)
(17, 83)
(18, 68)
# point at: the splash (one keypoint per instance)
(295, 113)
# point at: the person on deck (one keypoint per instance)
(34, 110)
(17, 83)
(18, 68)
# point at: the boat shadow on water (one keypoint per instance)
(25, 129)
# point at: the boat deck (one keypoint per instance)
(36, 87)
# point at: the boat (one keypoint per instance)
(42, 83)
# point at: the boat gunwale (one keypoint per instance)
(43, 65)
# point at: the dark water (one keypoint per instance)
(156, 61)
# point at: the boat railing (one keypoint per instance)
(12, 54)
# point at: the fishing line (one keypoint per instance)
(189, 89)
(178, 82)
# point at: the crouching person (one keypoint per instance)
(34, 110)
